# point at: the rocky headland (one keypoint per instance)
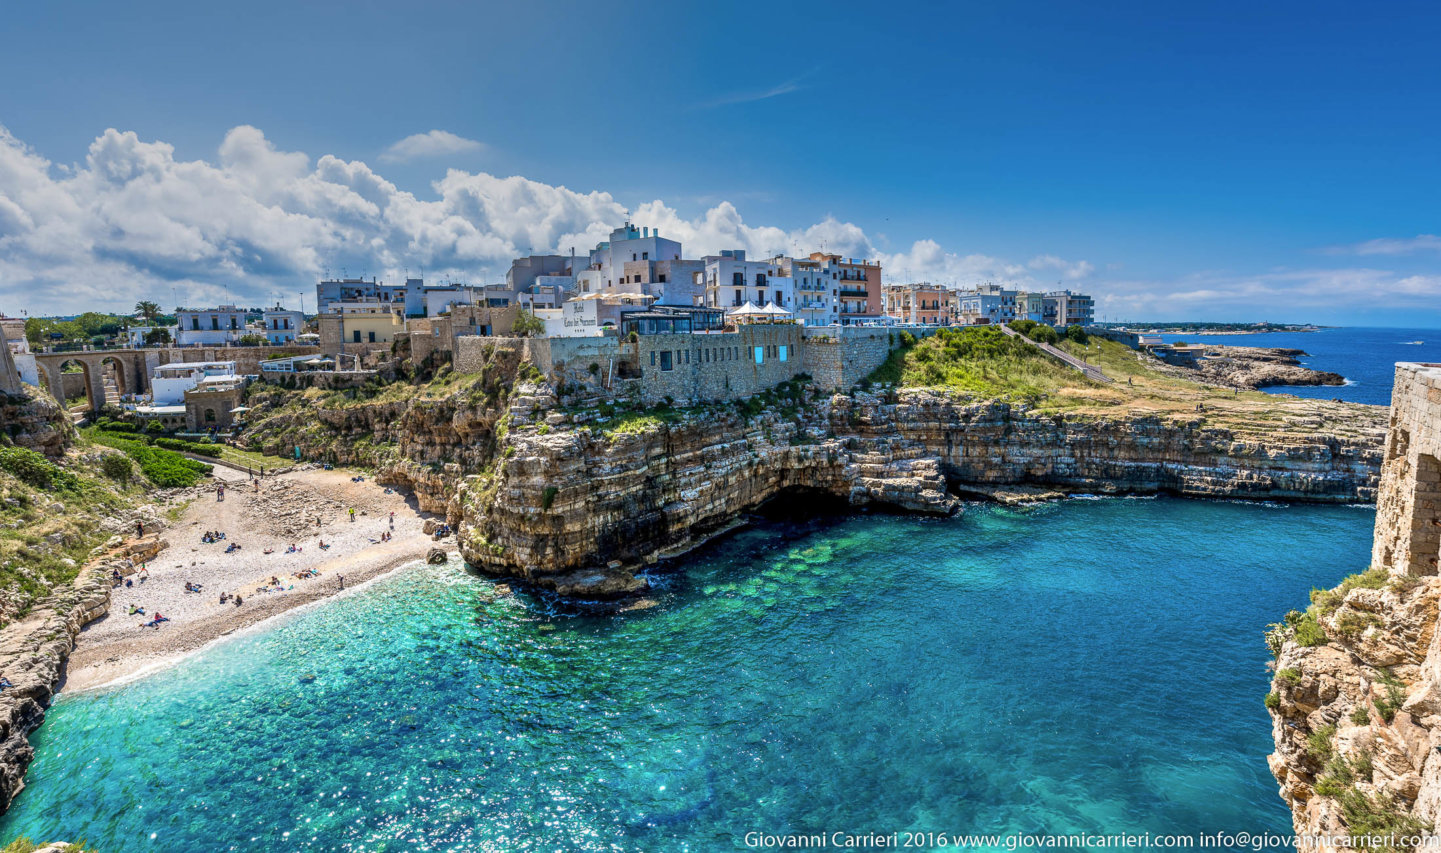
(1356, 697)
(581, 499)
(1257, 367)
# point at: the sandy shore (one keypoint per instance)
(283, 511)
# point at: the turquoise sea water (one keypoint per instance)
(1086, 666)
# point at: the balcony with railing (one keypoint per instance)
(854, 292)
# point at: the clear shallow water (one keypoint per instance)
(1094, 665)
(1366, 357)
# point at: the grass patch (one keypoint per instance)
(1289, 676)
(1318, 744)
(1380, 816)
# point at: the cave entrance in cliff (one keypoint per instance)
(801, 503)
(1425, 544)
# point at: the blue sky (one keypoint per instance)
(1218, 161)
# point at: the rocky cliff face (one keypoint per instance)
(33, 652)
(1356, 700)
(33, 420)
(579, 509)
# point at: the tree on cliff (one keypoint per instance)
(527, 325)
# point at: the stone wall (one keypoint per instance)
(1408, 508)
(840, 361)
(1366, 694)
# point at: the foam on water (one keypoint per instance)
(1076, 666)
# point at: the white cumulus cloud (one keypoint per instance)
(436, 143)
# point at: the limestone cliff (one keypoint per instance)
(1356, 699)
(579, 508)
(34, 420)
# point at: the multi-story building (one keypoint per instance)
(1064, 308)
(921, 304)
(629, 244)
(988, 303)
(169, 382)
(409, 296)
(210, 326)
(1031, 305)
(817, 301)
(282, 325)
(12, 332)
(355, 326)
(731, 281)
(857, 285)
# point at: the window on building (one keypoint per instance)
(687, 356)
(214, 324)
(760, 355)
(660, 279)
(210, 416)
(739, 295)
(645, 256)
(357, 336)
(760, 279)
(372, 337)
(194, 324)
(652, 358)
(666, 359)
(782, 354)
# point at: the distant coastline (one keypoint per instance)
(1216, 328)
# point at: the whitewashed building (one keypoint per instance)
(282, 325)
(210, 326)
(169, 382)
(731, 281)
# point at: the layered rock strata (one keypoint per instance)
(33, 652)
(580, 510)
(1356, 700)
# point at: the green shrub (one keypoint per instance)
(33, 469)
(164, 468)
(1380, 816)
(198, 448)
(117, 467)
(1273, 700)
(1306, 630)
(1360, 715)
(548, 497)
(1318, 744)
(1289, 676)
(1327, 601)
(1044, 334)
(1395, 697)
(1077, 334)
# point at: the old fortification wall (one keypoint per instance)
(1356, 702)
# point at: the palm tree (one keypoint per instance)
(148, 311)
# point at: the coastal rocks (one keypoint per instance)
(565, 500)
(436, 557)
(1356, 701)
(33, 652)
(1258, 367)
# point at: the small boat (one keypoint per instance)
(1412, 343)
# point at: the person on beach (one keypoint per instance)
(5, 682)
(342, 581)
(392, 519)
(352, 515)
(238, 602)
(139, 529)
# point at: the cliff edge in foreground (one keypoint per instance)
(1356, 699)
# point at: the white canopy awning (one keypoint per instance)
(775, 310)
(746, 310)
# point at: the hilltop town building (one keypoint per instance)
(282, 325)
(923, 304)
(210, 326)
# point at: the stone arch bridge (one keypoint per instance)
(131, 368)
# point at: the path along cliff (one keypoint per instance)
(1356, 699)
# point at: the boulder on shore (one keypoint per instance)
(436, 556)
